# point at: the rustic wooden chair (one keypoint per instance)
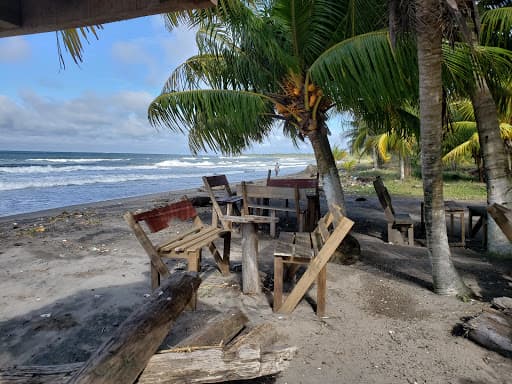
(312, 250)
(185, 245)
(400, 225)
(221, 195)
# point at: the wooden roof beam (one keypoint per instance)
(22, 17)
(10, 14)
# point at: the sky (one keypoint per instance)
(100, 105)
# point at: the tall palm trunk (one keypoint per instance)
(445, 278)
(495, 159)
(499, 183)
(327, 168)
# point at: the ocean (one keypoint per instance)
(34, 181)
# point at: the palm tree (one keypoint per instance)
(257, 60)
(498, 180)
(429, 40)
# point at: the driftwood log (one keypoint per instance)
(492, 328)
(249, 356)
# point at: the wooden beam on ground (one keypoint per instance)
(250, 356)
(123, 357)
(22, 17)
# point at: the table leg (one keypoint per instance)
(250, 274)
(462, 230)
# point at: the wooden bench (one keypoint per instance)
(313, 249)
(400, 225)
(310, 185)
(255, 198)
(185, 245)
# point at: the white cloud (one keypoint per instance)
(179, 46)
(116, 123)
(14, 49)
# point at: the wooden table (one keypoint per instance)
(250, 272)
(452, 209)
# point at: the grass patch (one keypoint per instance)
(457, 185)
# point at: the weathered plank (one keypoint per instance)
(219, 330)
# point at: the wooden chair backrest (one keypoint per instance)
(252, 191)
(159, 218)
(213, 184)
(384, 198)
(216, 182)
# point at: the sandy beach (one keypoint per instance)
(70, 276)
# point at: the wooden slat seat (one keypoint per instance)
(186, 245)
(400, 225)
(312, 249)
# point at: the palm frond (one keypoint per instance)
(467, 148)
(219, 120)
(362, 70)
(72, 39)
(382, 145)
(496, 25)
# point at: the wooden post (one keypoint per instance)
(123, 357)
(250, 274)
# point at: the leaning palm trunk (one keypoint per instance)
(445, 278)
(327, 168)
(499, 183)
